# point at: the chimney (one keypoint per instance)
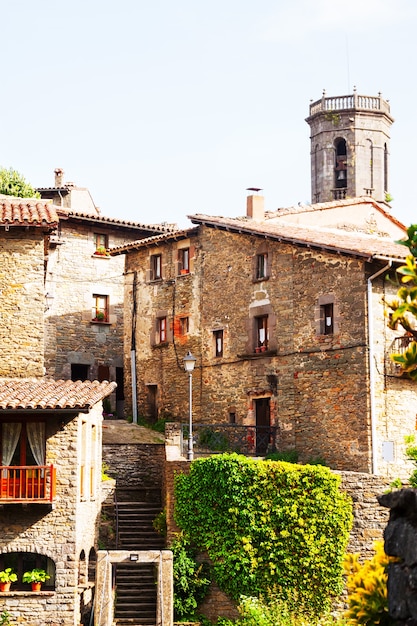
(255, 205)
(59, 177)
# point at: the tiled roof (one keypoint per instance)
(323, 206)
(157, 228)
(27, 212)
(174, 235)
(44, 393)
(353, 243)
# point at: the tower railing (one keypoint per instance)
(353, 101)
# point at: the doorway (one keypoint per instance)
(263, 425)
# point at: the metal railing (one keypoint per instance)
(27, 483)
(217, 438)
(398, 346)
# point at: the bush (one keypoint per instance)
(290, 456)
(191, 580)
(367, 588)
(267, 527)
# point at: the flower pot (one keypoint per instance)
(263, 348)
(36, 586)
(5, 586)
(184, 271)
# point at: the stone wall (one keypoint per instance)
(22, 302)
(135, 464)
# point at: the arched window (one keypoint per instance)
(340, 167)
(92, 560)
(22, 562)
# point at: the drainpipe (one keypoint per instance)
(133, 351)
(372, 366)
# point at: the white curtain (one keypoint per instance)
(11, 433)
(36, 437)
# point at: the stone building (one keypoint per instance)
(50, 495)
(287, 323)
(50, 437)
(84, 287)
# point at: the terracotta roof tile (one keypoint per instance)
(354, 243)
(157, 228)
(27, 212)
(174, 235)
(44, 393)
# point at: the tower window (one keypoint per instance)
(340, 165)
(161, 330)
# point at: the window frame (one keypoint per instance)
(327, 318)
(184, 260)
(161, 329)
(156, 266)
(261, 328)
(98, 309)
(218, 336)
(183, 326)
(261, 268)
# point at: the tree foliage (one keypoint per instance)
(14, 184)
(267, 526)
(403, 308)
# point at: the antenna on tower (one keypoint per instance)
(347, 63)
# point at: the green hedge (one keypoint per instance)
(268, 526)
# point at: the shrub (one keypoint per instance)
(367, 588)
(267, 526)
(191, 580)
(290, 456)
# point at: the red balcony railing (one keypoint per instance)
(27, 483)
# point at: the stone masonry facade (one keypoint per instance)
(66, 532)
(21, 302)
(317, 386)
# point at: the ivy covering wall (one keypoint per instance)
(267, 526)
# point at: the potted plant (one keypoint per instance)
(36, 577)
(100, 316)
(7, 577)
(101, 251)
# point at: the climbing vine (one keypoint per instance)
(267, 526)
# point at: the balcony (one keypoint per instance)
(217, 438)
(398, 346)
(27, 484)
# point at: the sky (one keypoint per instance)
(164, 109)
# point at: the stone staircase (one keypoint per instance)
(136, 589)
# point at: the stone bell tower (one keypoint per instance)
(349, 147)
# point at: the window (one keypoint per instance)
(218, 342)
(261, 265)
(101, 243)
(23, 443)
(100, 310)
(261, 330)
(161, 330)
(79, 371)
(156, 266)
(184, 260)
(22, 562)
(326, 319)
(184, 326)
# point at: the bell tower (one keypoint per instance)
(349, 147)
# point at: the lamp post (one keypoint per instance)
(189, 364)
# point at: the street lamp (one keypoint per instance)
(189, 364)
